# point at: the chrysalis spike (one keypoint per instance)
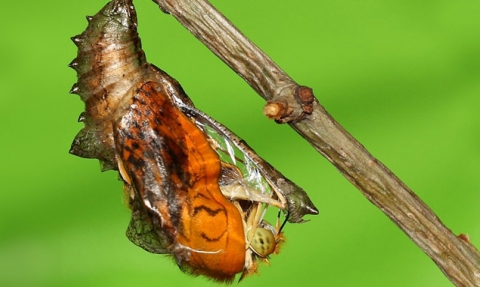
(74, 64)
(81, 118)
(89, 18)
(77, 40)
(74, 89)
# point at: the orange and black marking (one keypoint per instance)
(169, 159)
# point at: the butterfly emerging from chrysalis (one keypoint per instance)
(196, 190)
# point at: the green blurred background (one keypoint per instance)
(402, 76)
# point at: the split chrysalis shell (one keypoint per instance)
(125, 129)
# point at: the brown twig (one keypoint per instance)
(295, 104)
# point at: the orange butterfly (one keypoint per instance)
(196, 190)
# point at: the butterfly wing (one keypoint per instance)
(175, 173)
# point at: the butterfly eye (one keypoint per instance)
(262, 241)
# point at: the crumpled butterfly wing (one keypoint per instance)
(175, 172)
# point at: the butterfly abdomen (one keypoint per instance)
(109, 66)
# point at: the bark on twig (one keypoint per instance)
(292, 103)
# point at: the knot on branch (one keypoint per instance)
(285, 108)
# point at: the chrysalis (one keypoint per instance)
(196, 190)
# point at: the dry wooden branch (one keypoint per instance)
(292, 103)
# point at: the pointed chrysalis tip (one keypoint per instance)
(77, 40)
(72, 150)
(73, 64)
(74, 89)
(81, 118)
